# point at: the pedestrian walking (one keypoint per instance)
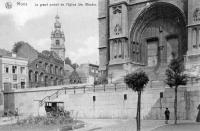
(167, 114)
(198, 115)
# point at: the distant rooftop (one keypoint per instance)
(4, 52)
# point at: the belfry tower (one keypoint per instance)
(58, 39)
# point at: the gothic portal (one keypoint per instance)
(158, 33)
(58, 39)
(146, 34)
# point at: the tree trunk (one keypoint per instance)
(138, 111)
(175, 106)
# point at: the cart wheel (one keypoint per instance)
(62, 114)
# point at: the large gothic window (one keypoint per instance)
(117, 49)
(136, 51)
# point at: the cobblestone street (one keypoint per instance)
(115, 125)
(180, 127)
(130, 125)
(119, 125)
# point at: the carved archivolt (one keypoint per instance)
(147, 15)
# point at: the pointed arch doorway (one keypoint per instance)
(158, 32)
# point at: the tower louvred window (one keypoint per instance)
(57, 42)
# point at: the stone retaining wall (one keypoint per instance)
(109, 103)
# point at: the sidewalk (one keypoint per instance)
(118, 125)
(126, 125)
(181, 126)
(123, 125)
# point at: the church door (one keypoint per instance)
(152, 52)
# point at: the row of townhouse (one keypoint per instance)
(28, 68)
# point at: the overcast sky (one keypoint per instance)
(33, 24)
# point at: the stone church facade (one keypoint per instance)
(145, 33)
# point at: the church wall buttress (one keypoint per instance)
(193, 53)
(103, 35)
(193, 25)
(118, 33)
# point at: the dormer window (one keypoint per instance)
(57, 42)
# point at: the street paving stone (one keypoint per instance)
(130, 125)
(119, 125)
(180, 127)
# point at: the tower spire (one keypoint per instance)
(57, 16)
(58, 39)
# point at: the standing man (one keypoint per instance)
(167, 113)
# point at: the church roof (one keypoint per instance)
(74, 74)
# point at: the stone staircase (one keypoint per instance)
(154, 74)
(150, 96)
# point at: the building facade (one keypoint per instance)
(74, 78)
(85, 73)
(44, 69)
(145, 33)
(88, 73)
(67, 72)
(58, 39)
(14, 70)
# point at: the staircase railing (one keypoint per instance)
(84, 88)
(61, 91)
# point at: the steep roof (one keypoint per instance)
(74, 74)
(25, 50)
